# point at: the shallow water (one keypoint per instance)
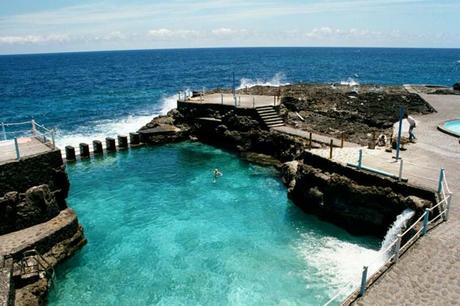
(453, 126)
(160, 231)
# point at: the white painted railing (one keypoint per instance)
(431, 215)
(13, 131)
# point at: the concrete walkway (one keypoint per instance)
(242, 101)
(429, 272)
(325, 140)
(27, 146)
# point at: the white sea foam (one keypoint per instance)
(396, 228)
(350, 82)
(277, 80)
(341, 263)
(99, 130)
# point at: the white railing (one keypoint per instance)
(440, 211)
(185, 96)
(12, 132)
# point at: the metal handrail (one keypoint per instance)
(422, 231)
(45, 135)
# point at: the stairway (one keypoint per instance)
(269, 116)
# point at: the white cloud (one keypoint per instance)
(328, 32)
(167, 34)
(33, 39)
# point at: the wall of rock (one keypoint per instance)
(32, 190)
(36, 170)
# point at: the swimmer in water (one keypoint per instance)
(216, 174)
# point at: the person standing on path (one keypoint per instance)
(412, 125)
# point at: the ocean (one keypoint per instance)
(160, 230)
(91, 95)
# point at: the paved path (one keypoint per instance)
(27, 146)
(315, 137)
(429, 272)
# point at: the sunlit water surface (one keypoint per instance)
(161, 231)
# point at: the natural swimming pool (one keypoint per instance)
(160, 231)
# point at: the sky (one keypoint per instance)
(38, 26)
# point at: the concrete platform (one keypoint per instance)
(243, 101)
(28, 146)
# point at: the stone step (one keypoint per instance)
(270, 116)
(275, 125)
(264, 111)
(264, 107)
(273, 119)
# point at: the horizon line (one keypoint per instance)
(227, 47)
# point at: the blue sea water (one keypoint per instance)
(168, 234)
(98, 94)
(165, 234)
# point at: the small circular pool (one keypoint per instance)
(451, 127)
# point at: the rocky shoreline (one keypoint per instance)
(360, 202)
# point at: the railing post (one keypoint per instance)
(331, 146)
(222, 98)
(274, 100)
(400, 169)
(53, 137)
(398, 247)
(362, 289)
(239, 100)
(3, 131)
(16, 146)
(398, 143)
(360, 158)
(310, 140)
(342, 140)
(34, 128)
(449, 200)
(253, 102)
(441, 179)
(425, 221)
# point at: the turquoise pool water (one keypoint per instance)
(161, 232)
(453, 125)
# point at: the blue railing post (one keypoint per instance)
(362, 290)
(398, 143)
(53, 138)
(34, 128)
(360, 159)
(425, 221)
(16, 146)
(449, 200)
(398, 247)
(441, 179)
(401, 164)
(3, 131)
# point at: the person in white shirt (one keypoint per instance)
(412, 125)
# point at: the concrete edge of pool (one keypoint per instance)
(446, 130)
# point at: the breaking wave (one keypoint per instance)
(100, 129)
(350, 82)
(277, 80)
(341, 263)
